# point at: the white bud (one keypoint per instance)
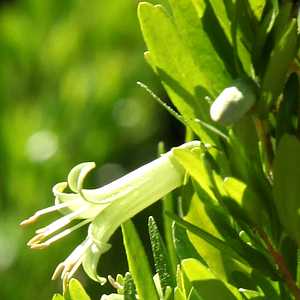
(233, 103)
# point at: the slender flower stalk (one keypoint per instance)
(104, 208)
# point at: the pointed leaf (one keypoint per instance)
(257, 7)
(138, 262)
(194, 29)
(212, 240)
(171, 59)
(286, 185)
(282, 55)
(246, 199)
(193, 295)
(206, 284)
(178, 294)
(161, 259)
(76, 291)
(183, 245)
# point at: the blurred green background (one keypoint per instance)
(68, 72)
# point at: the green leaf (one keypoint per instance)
(196, 167)
(242, 35)
(212, 240)
(171, 59)
(243, 150)
(178, 294)
(257, 7)
(207, 218)
(283, 18)
(129, 288)
(76, 291)
(206, 284)
(198, 212)
(234, 247)
(138, 262)
(183, 245)
(193, 295)
(286, 185)
(221, 8)
(194, 29)
(282, 55)
(265, 284)
(288, 108)
(246, 199)
(58, 297)
(160, 256)
(264, 29)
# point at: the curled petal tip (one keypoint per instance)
(78, 174)
(59, 188)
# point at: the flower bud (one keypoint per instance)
(233, 103)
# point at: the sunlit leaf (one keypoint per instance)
(206, 284)
(160, 256)
(286, 185)
(138, 262)
(76, 291)
(58, 297)
(282, 55)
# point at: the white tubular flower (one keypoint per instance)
(105, 208)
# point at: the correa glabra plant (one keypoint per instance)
(232, 228)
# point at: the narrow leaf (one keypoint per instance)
(282, 55)
(206, 284)
(286, 185)
(184, 248)
(138, 262)
(161, 259)
(76, 291)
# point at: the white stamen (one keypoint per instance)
(57, 271)
(47, 210)
(114, 283)
(62, 222)
(60, 235)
